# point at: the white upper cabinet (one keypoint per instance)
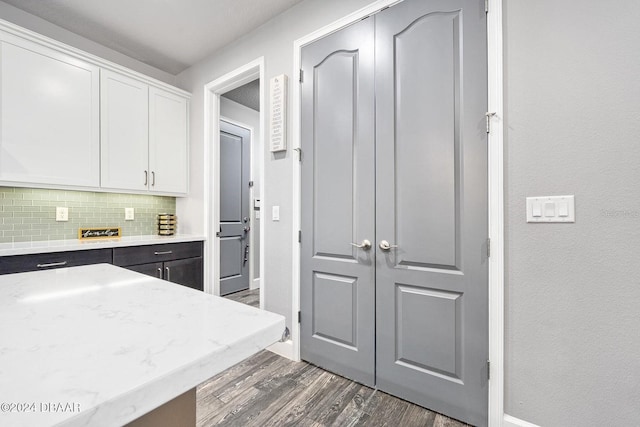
(49, 116)
(69, 119)
(124, 117)
(144, 137)
(168, 144)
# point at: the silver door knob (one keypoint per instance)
(366, 245)
(385, 246)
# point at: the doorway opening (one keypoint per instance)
(234, 105)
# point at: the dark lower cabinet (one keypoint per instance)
(46, 261)
(154, 269)
(187, 272)
(179, 263)
(176, 262)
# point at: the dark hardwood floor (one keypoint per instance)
(269, 390)
(250, 297)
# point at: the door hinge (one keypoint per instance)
(299, 316)
(301, 75)
(488, 369)
(488, 248)
(250, 183)
(486, 6)
(488, 115)
(299, 150)
(299, 236)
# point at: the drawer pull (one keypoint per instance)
(163, 253)
(52, 264)
(168, 270)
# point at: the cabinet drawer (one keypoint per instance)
(22, 263)
(156, 253)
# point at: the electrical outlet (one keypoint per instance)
(62, 213)
(129, 214)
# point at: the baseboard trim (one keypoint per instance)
(284, 349)
(255, 284)
(510, 421)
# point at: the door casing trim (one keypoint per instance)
(495, 186)
(212, 92)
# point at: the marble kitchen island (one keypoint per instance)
(99, 345)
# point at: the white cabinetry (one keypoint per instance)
(49, 116)
(168, 145)
(124, 117)
(69, 119)
(144, 136)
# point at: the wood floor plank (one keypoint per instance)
(388, 410)
(249, 296)
(251, 377)
(292, 413)
(240, 370)
(416, 416)
(297, 408)
(443, 421)
(264, 405)
(231, 410)
(267, 390)
(335, 402)
(355, 408)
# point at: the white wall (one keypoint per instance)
(573, 290)
(31, 22)
(239, 113)
(274, 40)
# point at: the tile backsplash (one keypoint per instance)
(28, 214)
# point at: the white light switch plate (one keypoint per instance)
(551, 209)
(275, 213)
(62, 214)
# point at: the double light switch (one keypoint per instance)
(551, 209)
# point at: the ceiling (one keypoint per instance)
(247, 95)
(170, 35)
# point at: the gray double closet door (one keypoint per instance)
(394, 266)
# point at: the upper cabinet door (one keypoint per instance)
(168, 143)
(49, 116)
(124, 115)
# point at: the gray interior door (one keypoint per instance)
(234, 207)
(421, 199)
(337, 278)
(431, 166)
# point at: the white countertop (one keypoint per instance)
(45, 246)
(107, 345)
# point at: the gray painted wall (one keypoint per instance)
(31, 22)
(244, 115)
(274, 40)
(573, 290)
